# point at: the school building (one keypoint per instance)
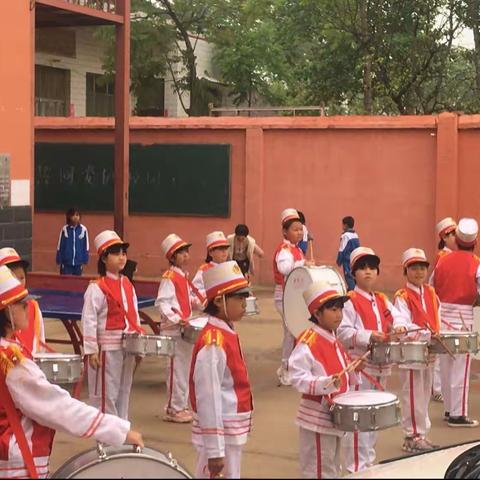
(396, 175)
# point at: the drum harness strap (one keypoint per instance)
(15, 424)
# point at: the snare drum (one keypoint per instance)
(365, 411)
(252, 306)
(195, 325)
(148, 345)
(401, 353)
(457, 342)
(123, 462)
(295, 311)
(60, 368)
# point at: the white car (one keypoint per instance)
(463, 460)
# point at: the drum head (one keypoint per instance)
(55, 356)
(121, 463)
(198, 322)
(295, 310)
(364, 398)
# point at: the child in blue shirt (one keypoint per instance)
(73, 246)
(349, 241)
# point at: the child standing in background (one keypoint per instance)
(73, 245)
(349, 241)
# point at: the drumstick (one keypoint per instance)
(349, 367)
(440, 340)
(311, 250)
(463, 322)
(407, 331)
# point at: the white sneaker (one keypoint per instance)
(283, 377)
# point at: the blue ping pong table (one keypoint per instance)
(66, 306)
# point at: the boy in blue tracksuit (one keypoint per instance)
(72, 249)
(349, 241)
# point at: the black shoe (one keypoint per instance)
(446, 416)
(462, 422)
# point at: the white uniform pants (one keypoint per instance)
(319, 454)
(359, 447)
(437, 377)
(178, 371)
(109, 386)
(288, 338)
(455, 383)
(233, 461)
(414, 399)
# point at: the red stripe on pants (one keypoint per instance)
(319, 455)
(171, 383)
(104, 366)
(412, 404)
(465, 384)
(355, 443)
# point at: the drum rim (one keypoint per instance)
(147, 336)
(414, 342)
(459, 333)
(63, 356)
(393, 401)
(118, 455)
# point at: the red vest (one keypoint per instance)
(116, 312)
(42, 437)
(182, 293)
(297, 256)
(235, 363)
(30, 337)
(325, 352)
(363, 306)
(455, 278)
(414, 301)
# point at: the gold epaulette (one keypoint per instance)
(9, 357)
(401, 293)
(383, 296)
(203, 266)
(351, 294)
(214, 337)
(307, 337)
(167, 274)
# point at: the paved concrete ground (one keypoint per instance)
(272, 450)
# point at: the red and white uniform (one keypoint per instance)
(198, 278)
(109, 310)
(33, 337)
(420, 306)
(44, 408)
(221, 398)
(364, 313)
(316, 357)
(457, 282)
(175, 301)
(287, 256)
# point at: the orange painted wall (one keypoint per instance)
(16, 81)
(397, 176)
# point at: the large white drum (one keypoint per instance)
(295, 311)
(476, 328)
(123, 462)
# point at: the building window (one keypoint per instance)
(151, 98)
(100, 96)
(52, 91)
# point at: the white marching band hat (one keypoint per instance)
(172, 243)
(289, 214)
(106, 239)
(224, 278)
(467, 232)
(414, 255)
(11, 290)
(10, 255)
(361, 252)
(216, 239)
(445, 226)
(319, 293)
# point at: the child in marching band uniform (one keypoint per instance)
(418, 303)
(31, 408)
(368, 317)
(109, 310)
(219, 386)
(315, 365)
(286, 257)
(175, 300)
(217, 252)
(32, 338)
(456, 279)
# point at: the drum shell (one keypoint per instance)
(400, 353)
(121, 462)
(190, 333)
(457, 342)
(366, 418)
(148, 345)
(61, 370)
(251, 306)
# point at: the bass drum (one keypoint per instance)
(295, 311)
(123, 462)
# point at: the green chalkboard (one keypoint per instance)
(172, 179)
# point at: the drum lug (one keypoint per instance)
(159, 346)
(102, 455)
(137, 449)
(373, 418)
(171, 460)
(402, 354)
